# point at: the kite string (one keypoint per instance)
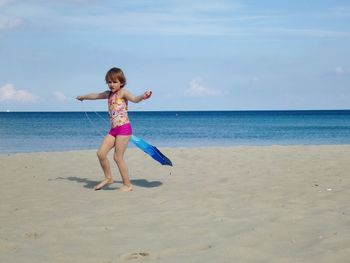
(91, 122)
(101, 117)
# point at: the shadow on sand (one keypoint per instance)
(92, 183)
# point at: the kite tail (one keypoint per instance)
(151, 150)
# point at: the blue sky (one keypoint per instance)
(193, 55)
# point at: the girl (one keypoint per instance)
(120, 132)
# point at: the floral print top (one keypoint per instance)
(118, 110)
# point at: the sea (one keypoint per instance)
(65, 131)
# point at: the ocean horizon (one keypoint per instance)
(79, 130)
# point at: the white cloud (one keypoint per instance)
(196, 89)
(171, 17)
(341, 71)
(59, 95)
(8, 23)
(9, 93)
(178, 22)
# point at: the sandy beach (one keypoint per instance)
(235, 204)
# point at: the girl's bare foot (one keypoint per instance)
(125, 188)
(104, 183)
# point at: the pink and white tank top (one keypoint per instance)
(118, 110)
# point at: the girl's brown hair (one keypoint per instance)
(116, 74)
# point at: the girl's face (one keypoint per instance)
(114, 85)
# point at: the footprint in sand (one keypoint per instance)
(33, 235)
(138, 255)
(7, 246)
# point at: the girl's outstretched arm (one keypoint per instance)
(136, 99)
(94, 96)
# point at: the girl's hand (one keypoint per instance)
(81, 98)
(147, 95)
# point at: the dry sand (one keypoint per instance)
(237, 204)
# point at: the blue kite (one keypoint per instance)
(151, 150)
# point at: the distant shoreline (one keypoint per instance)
(204, 148)
(157, 111)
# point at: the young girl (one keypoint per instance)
(120, 132)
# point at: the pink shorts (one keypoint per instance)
(125, 129)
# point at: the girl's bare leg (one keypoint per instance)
(107, 144)
(121, 143)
